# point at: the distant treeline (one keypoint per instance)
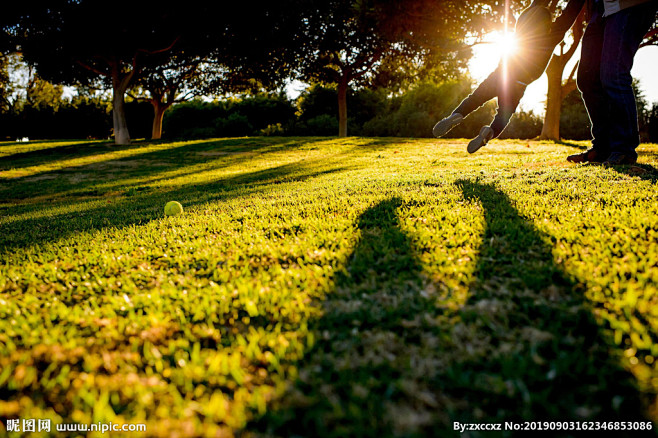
(373, 113)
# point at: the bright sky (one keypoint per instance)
(487, 56)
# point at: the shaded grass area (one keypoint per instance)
(324, 287)
(391, 362)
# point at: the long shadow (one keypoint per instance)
(14, 142)
(353, 372)
(46, 155)
(392, 361)
(546, 358)
(84, 180)
(181, 154)
(643, 171)
(571, 144)
(139, 203)
(146, 205)
(92, 179)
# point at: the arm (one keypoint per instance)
(564, 22)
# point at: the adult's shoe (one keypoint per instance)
(591, 155)
(620, 160)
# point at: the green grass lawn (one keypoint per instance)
(325, 287)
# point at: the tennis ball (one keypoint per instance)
(173, 208)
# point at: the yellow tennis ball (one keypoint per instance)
(173, 208)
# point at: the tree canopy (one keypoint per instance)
(383, 42)
(166, 52)
(84, 41)
(81, 42)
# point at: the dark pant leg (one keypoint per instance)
(508, 101)
(623, 34)
(589, 81)
(486, 91)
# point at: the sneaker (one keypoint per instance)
(619, 160)
(486, 134)
(445, 125)
(591, 155)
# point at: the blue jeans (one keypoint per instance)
(604, 76)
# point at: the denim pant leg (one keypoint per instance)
(487, 90)
(589, 81)
(508, 101)
(623, 34)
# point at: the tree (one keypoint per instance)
(7, 47)
(244, 49)
(559, 88)
(651, 38)
(166, 84)
(390, 43)
(39, 93)
(653, 123)
(248, 55)
(5, 84)
(643, 111)
(83, 41)
(358, 42)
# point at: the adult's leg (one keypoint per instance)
(623, 34)
(589, 82)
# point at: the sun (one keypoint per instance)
(505, 43)
(487, 54)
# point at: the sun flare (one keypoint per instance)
(505, 44)
(488, 54)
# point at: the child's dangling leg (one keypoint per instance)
(487, 90)
(445, 125)
(486, 134)
(508, 101)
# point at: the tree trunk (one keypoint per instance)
(342, 106)
(159, 109)
(557, 91)
(551, 129)
(119, 87)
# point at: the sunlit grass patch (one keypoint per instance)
(339, 287)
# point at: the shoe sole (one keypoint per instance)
(445, 125)
(479, 141)
(576, 160)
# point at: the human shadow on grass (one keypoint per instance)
(545, 357)
(353, 374)
(392, 361)
(643, 171)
